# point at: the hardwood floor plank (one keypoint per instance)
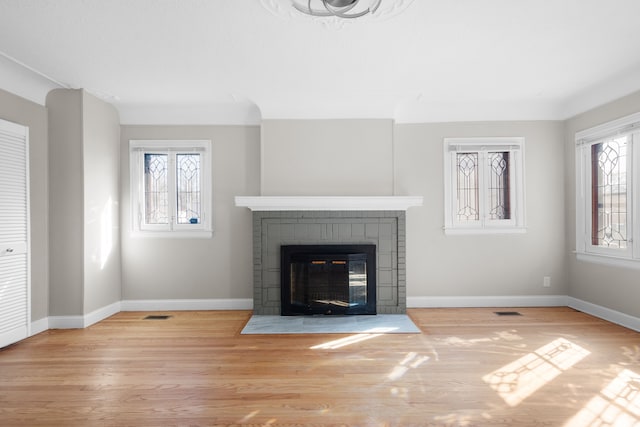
(548, 366)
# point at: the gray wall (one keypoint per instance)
(27, 113)
(83, 175)
(101, 159)
(327, 157)
(616, 288)
(216, 268)
(65, 202)
(374, 157)
(403, 160)
(482, 265)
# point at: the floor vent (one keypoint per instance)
(157, 317)
(507, 313)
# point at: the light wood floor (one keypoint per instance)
(469, 367)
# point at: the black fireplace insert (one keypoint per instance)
(328, 279)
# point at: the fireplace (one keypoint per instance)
(385, 230)
(328, 279)
(330, 220)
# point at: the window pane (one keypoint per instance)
(609, 193)
(155, 189)
(188, 188)
(467, 190)
(499, 192)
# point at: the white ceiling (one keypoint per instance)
(234, 61)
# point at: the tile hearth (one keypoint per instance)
(378, 324)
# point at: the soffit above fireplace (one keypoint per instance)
(328, 203)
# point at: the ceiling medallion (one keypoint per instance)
(336, 12)
(340, 8)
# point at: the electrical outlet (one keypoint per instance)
(546, 281)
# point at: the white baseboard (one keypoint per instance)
(488, 301)
(187, 304)
(66, 322)
(39, 325)
(102, 313)
(605, 313)
(79, 322)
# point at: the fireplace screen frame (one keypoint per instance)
(331, 252)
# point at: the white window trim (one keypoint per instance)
(585, 251)
(136, 148)
(514, 145)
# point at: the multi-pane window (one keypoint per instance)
(155, 195)
(188, 188)
(609, 213)
(170, 186)
(606, 182)
(492, 167)
(484, 185)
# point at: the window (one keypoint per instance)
(484, 185)
(171, 188)
(607, 160)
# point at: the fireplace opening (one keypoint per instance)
(328, 279)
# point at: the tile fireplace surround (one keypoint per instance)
(329, 220)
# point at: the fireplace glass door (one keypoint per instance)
(328, 279)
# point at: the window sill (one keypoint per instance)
(200, 234)
(608, 260)
(488, 230)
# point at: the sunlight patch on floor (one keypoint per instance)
(342, 342)
(617, 404)
(411, 361)
(511, 335)
(520, 379)
(249, 416)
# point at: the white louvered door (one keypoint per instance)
(14, 233)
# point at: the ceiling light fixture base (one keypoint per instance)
(336, 13)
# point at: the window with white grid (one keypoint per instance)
(607, 161)
(484, 185)
(171, 188)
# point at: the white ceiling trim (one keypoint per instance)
(29, 83)
(616, 87)
(239, 113)
(24, 81)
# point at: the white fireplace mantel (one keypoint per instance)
(328, 203)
